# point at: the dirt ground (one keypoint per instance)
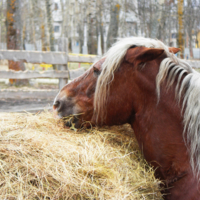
(25, 105)
(29, 105)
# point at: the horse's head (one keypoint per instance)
(81, 99)
(76, 98)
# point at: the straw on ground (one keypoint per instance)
(40, 159)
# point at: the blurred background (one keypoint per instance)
(91, 26)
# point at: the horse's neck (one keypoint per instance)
(186, 188)
(158, 128)
(158, 125)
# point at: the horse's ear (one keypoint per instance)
(140, 55)
(174, 50)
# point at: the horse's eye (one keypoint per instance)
(96, 71)
(133, 46)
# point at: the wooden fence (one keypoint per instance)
(60, 59)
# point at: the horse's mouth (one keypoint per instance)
(73, 122)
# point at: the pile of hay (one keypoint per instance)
(40, 159)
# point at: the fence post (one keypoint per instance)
(63, 46)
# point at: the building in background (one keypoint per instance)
(57, 19)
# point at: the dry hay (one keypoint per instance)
(40, 159)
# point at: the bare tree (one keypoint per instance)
(14, 41)
(2, 22)
(81, 24)
(84, 21)
(190, 20)
(114, 24)
(100, 22)
(91, 27)
(180, 27)
(49, 23)
(42, 27)
(63, 17)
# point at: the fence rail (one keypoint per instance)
(11, 74)
(33, 74)
(59, 58)
(25, 94)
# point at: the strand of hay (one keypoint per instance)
(40, 159)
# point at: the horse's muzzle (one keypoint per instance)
(58, 106)
(65, 112)
(73, 122)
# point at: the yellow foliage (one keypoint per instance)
(118, 6)
(46, 66)
(10, 17)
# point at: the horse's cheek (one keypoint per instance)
(85, 104)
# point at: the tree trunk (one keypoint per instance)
(50, 25)
(181, 27)
(100, 5)
(102, 37)
(81, 37)
(81, 17)
(32, 24)
(190, 46)
(14, 39)
(92, 40)
(63, 18)
(43, 36)
(113, 26)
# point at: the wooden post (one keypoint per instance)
(63, 46)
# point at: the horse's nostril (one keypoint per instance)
(57, 105)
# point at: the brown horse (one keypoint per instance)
(141, 82)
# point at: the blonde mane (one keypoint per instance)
(171, 69)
